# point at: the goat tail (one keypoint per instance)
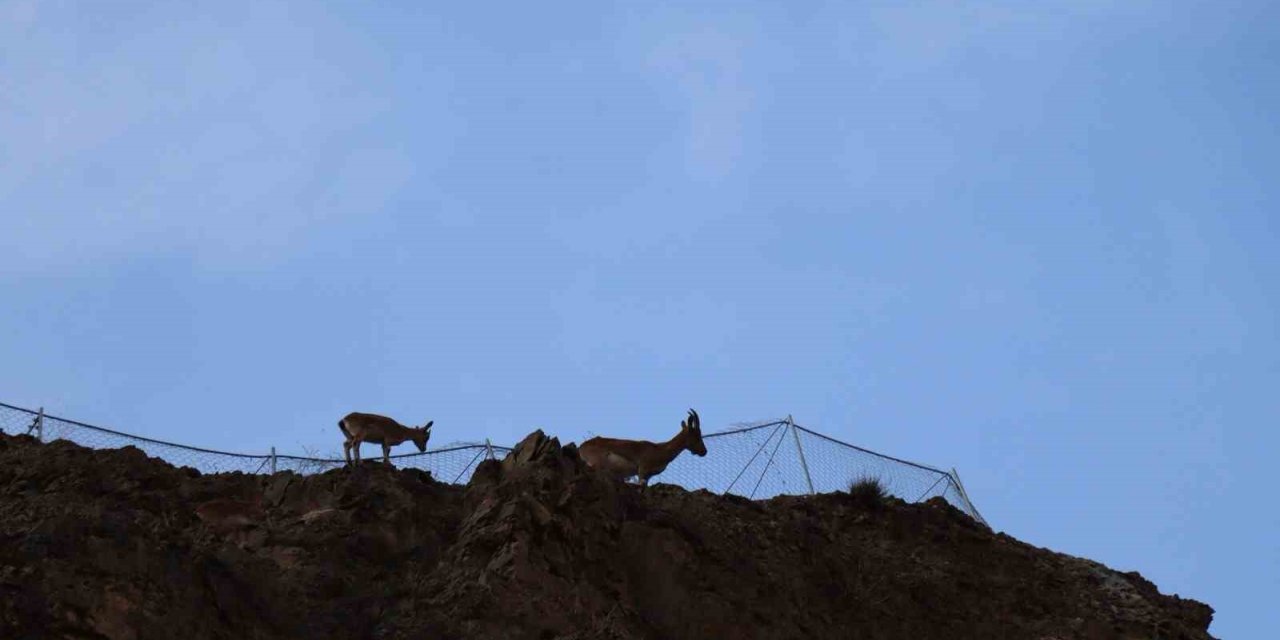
(343, 426)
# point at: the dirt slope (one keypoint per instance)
(107, 544)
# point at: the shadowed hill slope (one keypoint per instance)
(107, 544)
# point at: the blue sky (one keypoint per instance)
(1034, 241)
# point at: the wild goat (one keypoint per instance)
(625, 458)
(368, 427)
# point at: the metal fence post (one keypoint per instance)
(955, 475)
(488, 449)
(273, 461)
(40, 425)
(795, 433)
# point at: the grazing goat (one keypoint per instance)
(368, 427)
(625, 458)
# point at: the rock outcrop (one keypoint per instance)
(108, 544)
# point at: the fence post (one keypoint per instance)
(795, 433)
(40, 425)
(955, 475)
(273, 461)
(488, 449)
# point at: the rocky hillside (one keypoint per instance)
(113, 544)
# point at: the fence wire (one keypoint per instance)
(451, 463)
(759, 460)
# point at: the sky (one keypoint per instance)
(1033, 241)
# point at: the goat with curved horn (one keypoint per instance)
(625, 458)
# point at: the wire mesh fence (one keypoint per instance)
(780, 457)
(451, 463)
(759, 460)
